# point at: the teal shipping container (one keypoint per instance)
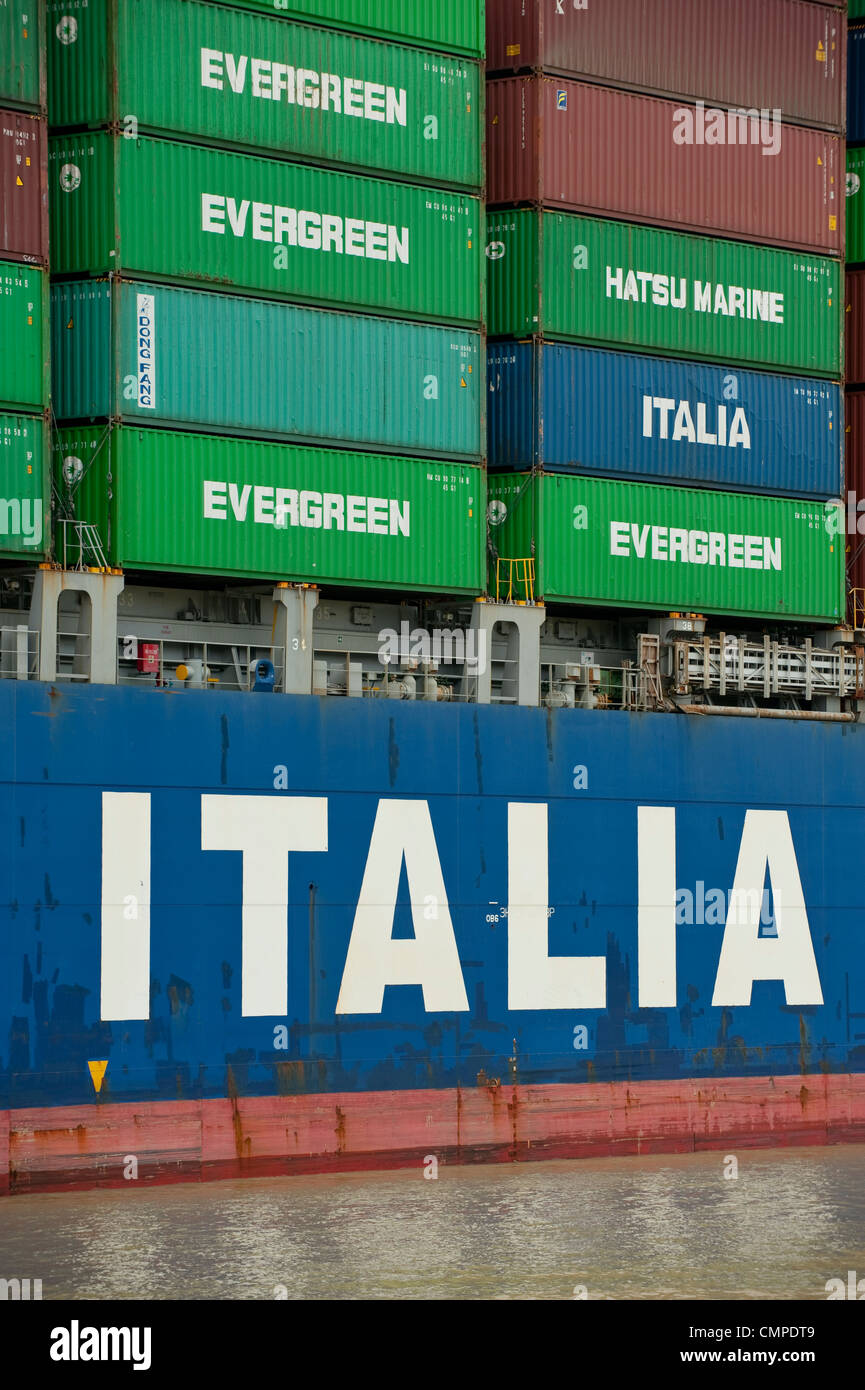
(160, 210)
(170, 356)
(205, 72)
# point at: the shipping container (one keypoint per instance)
(749, 53)
(165, 355)
(856, 86)
(549, 141)
(856, 9)
(22, 54)
(158, 209)
(599, 542)
(24, 337)
(562, 276)
(854, 497)
(199, 504)
(456, 26)
(582, 410)
(232, 77)
(25, 487)
(23, 188)
(855, 232)
(854, 346)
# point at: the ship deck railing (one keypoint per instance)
(19, 652)
(184, 665)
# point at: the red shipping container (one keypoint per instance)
(23, 188)
(854, 324)
(610, 153)
(854, 518)
(755, 53)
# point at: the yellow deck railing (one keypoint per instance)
(515, 573)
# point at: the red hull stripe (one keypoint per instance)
(82, 1146)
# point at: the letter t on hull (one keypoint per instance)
(265, 830)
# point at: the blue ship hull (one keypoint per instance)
(406, 955)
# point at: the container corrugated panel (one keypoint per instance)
(24, 337)
(549, 142)
(232, 77)
(596, 541)
(856, 9)
(23, 187)
(25, 487)
(22, 54)
(200, 504)
(582, 410)
(578, 278)
(763, 53)
(854, 497)
(855, 234)
(856, 86)
(456, 26)
(160, 354)
(167, 211)
(854, 347)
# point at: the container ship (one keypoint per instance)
(432, 603)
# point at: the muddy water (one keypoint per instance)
(656, 1228)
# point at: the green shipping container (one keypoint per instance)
(167, 211)
(586, 280)
(855, 206)
(630, 545)
(196, 504)
(160, 354)
(457, 26)
(22, 63)
(856, 9)
(25, 487)
(24, 338)
(256, 81)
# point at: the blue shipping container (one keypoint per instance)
(855, 86)
(155, 355)
(582, 410)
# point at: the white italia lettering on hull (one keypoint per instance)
(125, 966)
(402, 831)
(537, 980)
(265, 830)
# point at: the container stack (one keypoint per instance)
(665, 241)
(25, 494)
(268, 298)
(854, 396)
